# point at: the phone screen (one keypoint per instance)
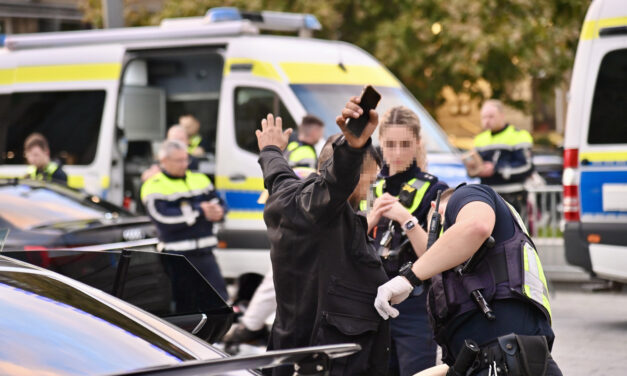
(369, 100)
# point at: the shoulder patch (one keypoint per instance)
(427, 177)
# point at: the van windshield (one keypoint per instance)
(326, 102)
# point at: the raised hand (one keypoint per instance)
(272, 134)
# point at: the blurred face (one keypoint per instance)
(191, 125)
(178, 134)
(367, 176)
(491, 118)
(37, 156)
(399, 145)
(176, 163)
(310, 133)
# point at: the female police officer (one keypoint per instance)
(397, 222)
(509, 276)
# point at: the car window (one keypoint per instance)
(608, 118)
(70, 120)
(251, 106)
(26, 207)
(51, 328)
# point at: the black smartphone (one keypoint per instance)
(369, 100)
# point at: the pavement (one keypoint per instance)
(590, 329)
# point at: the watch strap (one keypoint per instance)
(408, 273)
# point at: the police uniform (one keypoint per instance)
(52, 172)
(412, 342)
(173, 204)
(196, 141)
(509, 275)
(300, 154)
(510, 151)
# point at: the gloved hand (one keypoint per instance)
(395, 291)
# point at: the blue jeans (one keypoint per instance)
(413, 347)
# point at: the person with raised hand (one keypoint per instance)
(325, 271)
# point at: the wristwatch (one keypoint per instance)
(405, 271)
(410, 224)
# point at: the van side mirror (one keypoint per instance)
(141, 113)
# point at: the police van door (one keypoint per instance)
(603, 157)
(244, 101)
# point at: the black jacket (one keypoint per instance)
(326, 273)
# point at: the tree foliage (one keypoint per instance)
(431, 44)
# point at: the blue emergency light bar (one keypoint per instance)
(266, 20)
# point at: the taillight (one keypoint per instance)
(570, 181)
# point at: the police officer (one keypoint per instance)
(508, 275)
(198, 145)
(183, 205)
(403, 196)
(506, 154)
(302, 152)
(37, 153)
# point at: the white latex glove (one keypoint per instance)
(395, 291)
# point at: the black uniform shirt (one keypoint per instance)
(503, 229)
(512, 315)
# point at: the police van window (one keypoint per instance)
(252, 105)
(608, 118)
(70, 120)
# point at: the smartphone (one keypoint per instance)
(368, 101)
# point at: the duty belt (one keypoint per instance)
(188, 245)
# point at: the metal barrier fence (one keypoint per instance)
(545, 219)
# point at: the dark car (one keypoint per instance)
(54, 325)
(165, 285)
(46, 215)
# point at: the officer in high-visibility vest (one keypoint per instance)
(508, 275)
(37, 153)
(302, 152)
(403, 195)
(183, 205)
(198, 145)
(506, 154)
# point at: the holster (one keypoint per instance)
(514, 355)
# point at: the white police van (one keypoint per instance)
(103, 98)
(595, 146)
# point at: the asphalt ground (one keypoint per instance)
(591, 330)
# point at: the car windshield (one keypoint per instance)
(51, 328)
(326, 102)
(25, 207)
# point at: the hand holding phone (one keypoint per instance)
(368, 101)
(358, 119)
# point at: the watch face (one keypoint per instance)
(410, 225)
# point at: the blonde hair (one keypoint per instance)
(403, 116)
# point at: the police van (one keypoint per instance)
(104, 99)
(595, 145)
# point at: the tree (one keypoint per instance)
(431, 44)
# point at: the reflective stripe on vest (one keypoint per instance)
(534, 281)
(534, 286)
(46, 174)
(420, 186)
(510, 138)
(363, 205)
(194, 142)
(161, 187)
(300, 155)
